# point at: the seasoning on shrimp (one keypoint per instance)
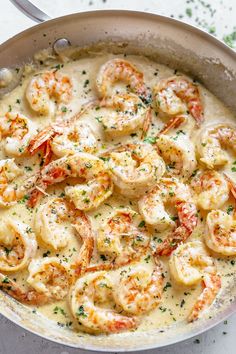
(87, 296)
(17, 131)
(152, 208)
(176, 95)
(135, 168)
(220, 235)
(213, 140)
(44, 87)
(189, 264)
(81, 165)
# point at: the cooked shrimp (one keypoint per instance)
(66, 137)
(17, 130)
(152, 208)
(211, 189)
(87, 296)
(176, 95)
(17, 245)
(117, 71)
(189, 264)
(45, 87)
(122, 238)
(30, 296)
(9, 191)
(52, 221)
(174, 122)
(125, 113)
(81, 166)
(135, 168)
(212, 142)
(50, 277)
(139, 291)
(178, 153)
(220, 235)
(52, 224)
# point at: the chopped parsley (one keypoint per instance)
(168, 285)
(229, 209)
(80, 312)
(141, 224)
(64, 109)
(150, 139)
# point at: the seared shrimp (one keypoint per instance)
(10, 193)
(52, 225)
(17, 245)
(135, 168)
(45, 87)
(139, 291)
(66, 137)
(82, 166)
(30, 296)
(152, 208)
(87, 296)
(178, 153)
(118, 71)
(176, 95)
(212, 142)
(17, 131)
(125, 113)
(211, 189)
(50, 277)
(122, 238)
(189, 264)
(220, 235)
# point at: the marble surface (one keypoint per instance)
(215, 16)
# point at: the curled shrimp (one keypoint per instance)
(124, 114)
(189, 264)
(29, 297)
(211, 189)
(17, 131)
(44, 87)
(50, 278)
(122, 238)
(220, 235)
(66, 137)
(139, 291)
(83, 166)
(120, 70)
(213, 141)
(17, 245)
(176, 95)
(87, 296)
(152, 208)
(10, 193)
(50, 226)
(135, 168)
(53, 220)
(178, 153)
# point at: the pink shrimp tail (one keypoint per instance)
(187, 213)
(212, 285)
(122, 324)
(195, 108)
(174, 122)
(34, 197)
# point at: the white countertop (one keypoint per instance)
(216, 16)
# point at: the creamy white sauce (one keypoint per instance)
(176, 301)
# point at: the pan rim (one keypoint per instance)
(152, 17)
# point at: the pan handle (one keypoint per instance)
(30, 10)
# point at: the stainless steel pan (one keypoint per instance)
(166, 40)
